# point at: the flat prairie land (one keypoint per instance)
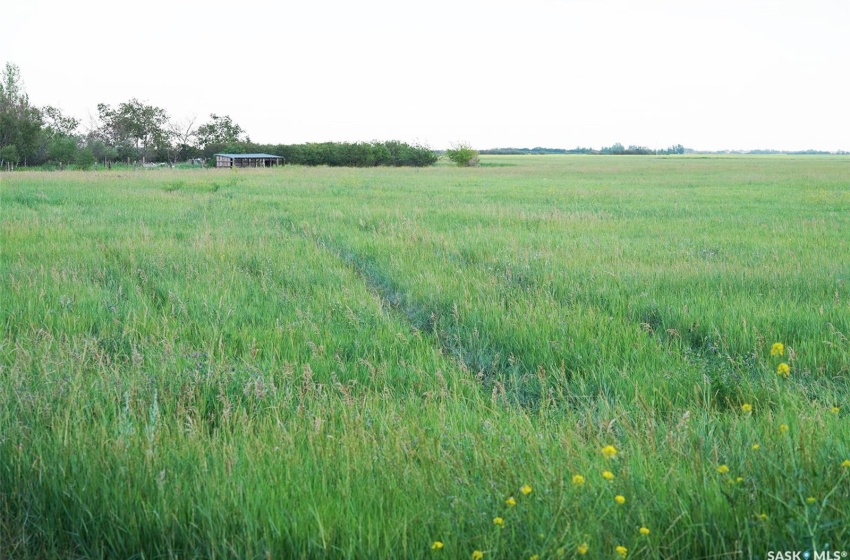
(544, 356)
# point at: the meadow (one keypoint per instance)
(544, 357)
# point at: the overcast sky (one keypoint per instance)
(719, 74)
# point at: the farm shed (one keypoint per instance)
(247, 160)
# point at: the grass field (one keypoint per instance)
(371, 363)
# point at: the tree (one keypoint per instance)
(94, 138)
(62, 149)
(184, 134)
(57, 122)
(135, 125)
(59, 138)
(85, 158)
(220, 130)
(463, 155)
(9, 154)
(100, 149)
(20, 122)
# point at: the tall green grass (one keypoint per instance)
(342, 363)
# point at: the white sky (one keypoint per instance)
(718, 74)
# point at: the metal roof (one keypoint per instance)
(244, 156)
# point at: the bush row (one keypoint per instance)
(336, 154)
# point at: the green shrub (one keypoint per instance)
(9, 154)
(85, 158)
(463, 155)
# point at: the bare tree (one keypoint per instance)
(184, 131)
(185, 135)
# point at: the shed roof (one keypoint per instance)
(246, 156)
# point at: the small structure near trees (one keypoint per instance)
(246, 160)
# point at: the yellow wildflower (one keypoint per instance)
(755, 447)
(477, 555)
(622, 551)
(846, 464)
(578, 480)
(783, 369)
(437, 545)
(608, 475)
(511, 502)
(582, 548)
(747, 407)
(778, 349)
(739, 480)
(783, 428)
(723, 469)
(498, 522)
(643, 531)
(534, 557)
(811, 500)
(835, 410)
(762, 516)
(526, 489)
(620, 499)
(609, 451)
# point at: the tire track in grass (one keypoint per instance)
(514, 371)
(472, 350)
(520, 279)
(488, 356)
(700, 347)
(118, 273)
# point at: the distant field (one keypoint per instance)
(362, 363)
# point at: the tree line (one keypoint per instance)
(616, 149)
(135, 131)
(335, 154)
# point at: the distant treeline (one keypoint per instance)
(777, 152)
(619, 149)
(335, 154)
(616, 149)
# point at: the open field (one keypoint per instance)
(356, 363)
